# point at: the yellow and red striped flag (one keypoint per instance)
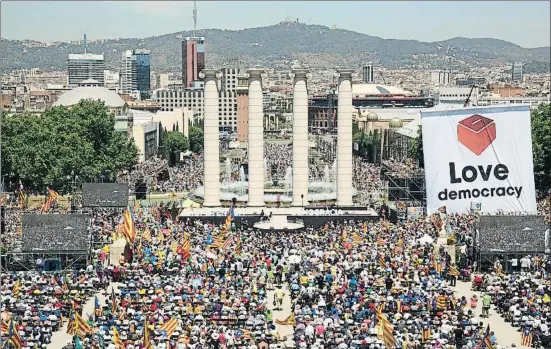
(13, 336)
(170, 326)
(218, 241)
(381, 261)
(356, 238)
(117, 339)
(16, 288)
(147, 335)
(4, 327)
(128, 230)
(50, 200)
(453, 271)
(81, 327)
(146, 235)
(227, 243)
(387, 330)
(289, 321)
(238, 245)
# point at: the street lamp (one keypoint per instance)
(73, 178)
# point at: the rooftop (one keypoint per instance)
(86, 56)
(72, 97)
(376, 89)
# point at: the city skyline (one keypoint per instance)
(430, 22)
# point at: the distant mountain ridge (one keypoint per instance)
(272, 46)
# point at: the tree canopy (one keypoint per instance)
(541, 147)
(176, 143)
(42, 150)
(415, 150)
(196, 139)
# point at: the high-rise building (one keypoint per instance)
(242, 90)
(85, 66)
(229, 79)
(443, 77)
(143, 65)
(517, 73)
(128, 73)
(135, 72)
(367, 73)
(193, 59)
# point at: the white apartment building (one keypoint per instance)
(128, 73)
(517, 72)
(458, 95)
(111, 79)
(367, 73)
(85, 66)
(442, 78)
(162, 81)
(193, 99)
(228, 81)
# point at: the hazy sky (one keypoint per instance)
(522, 22)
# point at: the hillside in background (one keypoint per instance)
(313, 45)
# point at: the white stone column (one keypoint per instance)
(300, 138)
(211, 140)
(256, 139)
(344, 139)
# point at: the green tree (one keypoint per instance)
(176, 143)
(196, 139)
(415, 150)
(541, 147)
(355, 128)
(162, 142)
(198, 123)
(42, 150)
(367, 145)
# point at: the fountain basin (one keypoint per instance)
(317, 191)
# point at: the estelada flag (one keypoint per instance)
(425, 333)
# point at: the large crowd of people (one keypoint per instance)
(187, 174)
(343, 279)
(408, 167)
(183, 283)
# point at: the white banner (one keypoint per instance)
(480, 155)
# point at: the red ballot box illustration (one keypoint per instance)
(476, 133)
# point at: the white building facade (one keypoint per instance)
(85, 66)
(128, 73)
(367, 73)
(193, 99)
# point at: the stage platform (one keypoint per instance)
(283, 218)
(278, 222)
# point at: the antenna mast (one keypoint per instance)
(194, 17)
